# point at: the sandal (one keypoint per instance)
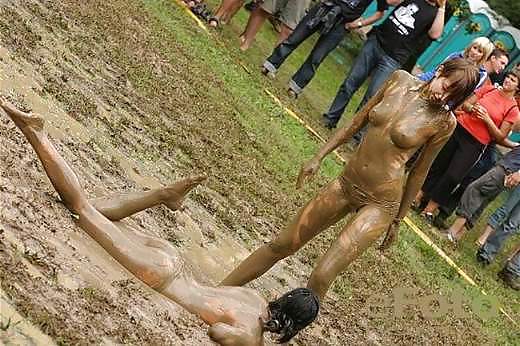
(292, 94)
(452, 239)
(429, 217)
(214, 22)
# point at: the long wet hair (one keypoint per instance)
(291, 313)
(464, 77)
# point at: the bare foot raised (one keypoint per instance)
(175, 193)
(22, 119)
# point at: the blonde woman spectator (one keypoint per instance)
(478, 51)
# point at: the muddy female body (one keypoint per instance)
(403, 116)
(237, 316)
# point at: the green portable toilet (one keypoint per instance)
(454, 38)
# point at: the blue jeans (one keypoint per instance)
(324, 45)
(505, 221)
(502, 213)
(513, 266)
(371, 61)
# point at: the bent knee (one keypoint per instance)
(283, 249)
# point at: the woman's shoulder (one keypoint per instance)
(403, 78)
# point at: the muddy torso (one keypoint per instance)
(398, 126)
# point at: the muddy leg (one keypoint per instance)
(61, 175)
(364, 228)
(153, 267)
(123, 205)
(325, 209)
(227, 10)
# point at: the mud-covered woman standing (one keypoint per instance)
(404, 115)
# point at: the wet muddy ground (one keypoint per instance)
(123, 104)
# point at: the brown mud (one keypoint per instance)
(127, 117)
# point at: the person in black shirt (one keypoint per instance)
(388, 47)
(332, 18)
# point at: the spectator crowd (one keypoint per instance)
(480, 161)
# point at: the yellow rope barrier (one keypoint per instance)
(192, 15)
(407, 220)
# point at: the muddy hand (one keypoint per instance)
(179, 190)
(307, 172)
(391, 236)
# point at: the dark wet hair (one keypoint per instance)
(292, 312)
(464, 77)
(498, 52)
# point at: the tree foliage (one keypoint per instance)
(507, 8)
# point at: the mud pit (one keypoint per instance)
(122, 104)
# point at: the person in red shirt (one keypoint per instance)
(487, 116)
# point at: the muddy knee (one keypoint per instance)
(282, 249)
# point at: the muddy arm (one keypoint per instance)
(225, 334)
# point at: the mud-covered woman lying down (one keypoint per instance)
(237, 316)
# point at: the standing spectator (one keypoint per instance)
(289, 12)
(487, 161)
(388, 46)
(226, 10)
(332, 19)
(485, 189)
(495, 63)
(487, 116)
(503, 223)
(478, 51)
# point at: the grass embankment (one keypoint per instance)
(285, 145)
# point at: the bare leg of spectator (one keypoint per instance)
(255, 22)
(284, 33)
(483, 237)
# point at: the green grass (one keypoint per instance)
(286, 144)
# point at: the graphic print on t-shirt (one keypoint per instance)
(352, 3)
(404, 18)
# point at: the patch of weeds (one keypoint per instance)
(5, 326)
(89, 293)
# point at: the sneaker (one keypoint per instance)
(429, 217)
(292, 94)
(251, 6)
(510, 279)
(482, 260)
(452, 238)
(267, 73)
(328, 123)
